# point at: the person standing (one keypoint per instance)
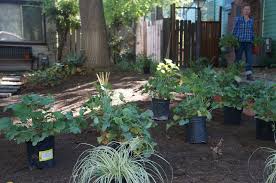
(244, 32)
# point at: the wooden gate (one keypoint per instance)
(186, 37)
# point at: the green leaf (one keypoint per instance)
(5, 123)
(183, 122)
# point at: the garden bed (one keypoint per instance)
(191, 163)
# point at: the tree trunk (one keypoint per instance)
(94, 33)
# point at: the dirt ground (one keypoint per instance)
(191, 163)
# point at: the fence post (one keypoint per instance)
(198, 32)
(173, 36)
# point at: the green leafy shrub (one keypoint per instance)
(192, 106)
(265, 105)
(105, 164)
(232, 96)
(204, 83)
(228, 41)
(258, 41)
(74, 59)
(164, 82)
(56, 73)
(118, 123)
(33, 121)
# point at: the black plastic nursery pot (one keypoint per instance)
(264, 130)
(160, 109)
(232, 116)
(146, 70)
(197, 130)
(42, 155)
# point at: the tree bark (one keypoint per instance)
(94, 33)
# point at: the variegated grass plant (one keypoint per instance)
(106, 164)
(269, 172)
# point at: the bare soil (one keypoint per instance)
(191, 163)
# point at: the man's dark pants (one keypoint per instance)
(245, 47)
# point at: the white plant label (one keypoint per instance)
(46, 155)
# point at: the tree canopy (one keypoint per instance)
(126, 11)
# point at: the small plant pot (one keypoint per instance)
(256, 50)
(41, 156)
(232, 116)
(197, 131)
(264, 130)
(217, 98)
(146, 70)
(160, 109)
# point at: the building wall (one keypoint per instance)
(8, 8)
(269, 24)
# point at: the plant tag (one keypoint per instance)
(46, 155)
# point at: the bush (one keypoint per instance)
(117, 123)
(56, 73)
(164, 82)
(33, 120)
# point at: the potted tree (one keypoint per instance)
(34, 124)
(257, 45)
(194, 111)
(265, 110)
(160, 87)
(104, 164)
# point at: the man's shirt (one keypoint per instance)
(244, 30)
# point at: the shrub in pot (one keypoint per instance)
(193, 111)
(146, 63)
(250, 92)
(160, 87)
(257, 45)
(118, 123)
(265, 110)
(233, 104)
(34, 124)
(104, 164)
(227, 42)
(231, 98)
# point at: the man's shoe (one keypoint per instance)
(249, 77)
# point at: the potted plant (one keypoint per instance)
(194, 111)
(227, 42)
(265, 110)
(146, 62)
(250, 92)
(231, 93)
(257, 45)
(233, 104)
(34, 124)
(104, 164)
(160, 87)
(117, 122)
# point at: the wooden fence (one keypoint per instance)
(74, 42)
(150, 39)
(186, 42)
(210, 35)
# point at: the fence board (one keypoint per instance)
(181, 41)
